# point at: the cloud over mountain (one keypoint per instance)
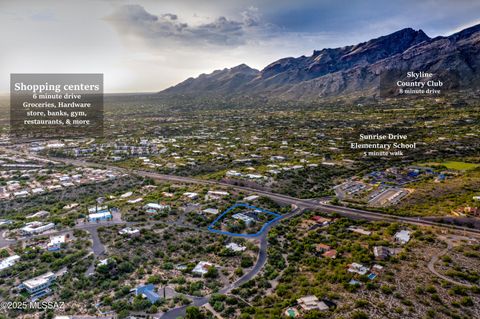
(221, 31)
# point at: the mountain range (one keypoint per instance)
(348, 71)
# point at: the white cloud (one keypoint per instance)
(134, 20)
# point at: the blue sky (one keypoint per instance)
(149, 45)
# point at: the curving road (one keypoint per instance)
(433, 261)
(261, 260)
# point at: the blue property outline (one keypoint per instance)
(210, 227)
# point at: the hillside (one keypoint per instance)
(351, 70)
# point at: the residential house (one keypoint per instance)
(39, 286)
(235, 247)
(358, 268)
(135, 201)
(126, 195)
(103, 215)
(39, 214)
(103, 262)
(202, 268)
(34, 228)
(402, 237)
(5, 222)
(132, 232)
(246, 219)
(96, 209)
(37, 190)
(332, 253)
(154, 208)
(20, 194)
(212, 211)
(377, 268)
(167, 194)
(215, 195)
(191, 195)
(233, 173)
(322, 220)
(381, 252)
(56, 242)
(9, 262)
(254, 176)
(309, 303)
(250, 198)
(147, 291)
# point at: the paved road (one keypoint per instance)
(87, 226)
(97, 246)
(5, 242)
(92, 228)
(433, 261)
(305, 203)
(261, 260)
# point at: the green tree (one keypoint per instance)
(246, 262)
(359, 315)
(193, 312)
(212, 272)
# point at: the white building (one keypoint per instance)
(127, 194)
(96, 209)
(103, 262)
(39, 284)
(235, 247)
(167, 194)
(56, 242)
(8, 262)
(215, 195)
(38, 190)
(250, 198)
(212, 211)
(311, 303)
(134, 201)
(247, 219)
(132, 232)
(33, 228)
(153, 208)
(202, 268)
(55, 187)
(402, 236)
(358, 268)
(233, 173)
(191, 195)
(20, 194)
(156, 206)
(100, 216)
(5, 222)
(40, 214)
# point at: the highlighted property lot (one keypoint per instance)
(243, 220)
